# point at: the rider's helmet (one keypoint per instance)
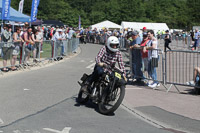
(113, 43)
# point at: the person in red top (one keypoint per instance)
(144, 52)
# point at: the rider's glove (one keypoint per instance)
(101, 64)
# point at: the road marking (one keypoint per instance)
(1, 131)
(82, 60)
(91, 66)
(91, 61)
(1, 121)
(26, 89)
(17, 131)
(65, 130)
(134, 88)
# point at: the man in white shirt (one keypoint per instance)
(58, 38)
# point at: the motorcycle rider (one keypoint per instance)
(107, 56)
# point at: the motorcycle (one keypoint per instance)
(108, 91)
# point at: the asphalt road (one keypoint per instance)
(44, 101)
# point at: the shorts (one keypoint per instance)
(28, 48)
(15, 51)
(6, 52)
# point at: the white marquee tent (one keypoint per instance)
(140, 25)
(106, 24)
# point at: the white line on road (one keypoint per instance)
(65, 130)
(91, 66)
(134, 88)
(26, 89)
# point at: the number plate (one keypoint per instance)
(118, 75)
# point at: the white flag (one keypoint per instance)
(21, 6)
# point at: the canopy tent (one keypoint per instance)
(106, 24)
(53, 23)
(37, 22)
(14, 23)
(140, 25)
(15, 15)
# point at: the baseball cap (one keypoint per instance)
(134, 33)
(144, 28)
(59, 30)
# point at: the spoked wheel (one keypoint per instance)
(83, 97)
(110, 102)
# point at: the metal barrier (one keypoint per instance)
(141, 67)
(175, 67)
(28, 55)
(179, 67)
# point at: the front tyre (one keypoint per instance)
(110, 102)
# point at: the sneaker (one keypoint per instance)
(190, 83)
(158, 84)
(153, 85)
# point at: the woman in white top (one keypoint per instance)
(152, 57)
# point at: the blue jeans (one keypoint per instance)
(137, 64)
(98, 72)
(152, 72)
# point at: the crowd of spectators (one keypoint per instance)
(142, 44)
(32, 37)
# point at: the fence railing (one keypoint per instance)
(175, 67)
(22, 55)
(141, 67)
(179, 66)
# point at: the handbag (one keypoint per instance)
(154, 62)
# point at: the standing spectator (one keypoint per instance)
(144, 52)
(70, 34)
(40, 37)
(196, 39)
(37, 42)
(152, 54)
(184, 37)
(27, 37)
(6, 49)
(158, 34)
(167, 40)
(58, 38)
(192, 37)
(136, 57)
(17, 41)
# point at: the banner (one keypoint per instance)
(34, 9)
(5, 9)
(21, 6)
(79, 23)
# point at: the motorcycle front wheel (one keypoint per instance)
(111, 101)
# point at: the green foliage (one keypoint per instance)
(176, 13)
